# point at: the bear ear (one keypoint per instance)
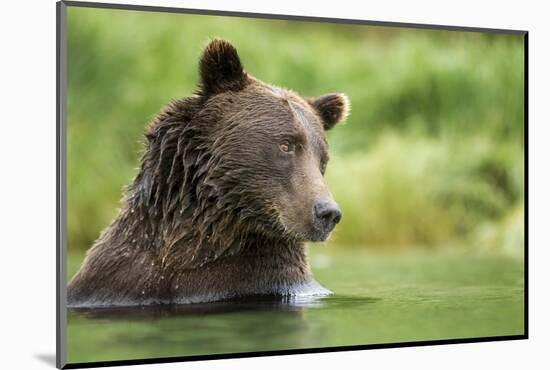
(220, 68)
(332, 108)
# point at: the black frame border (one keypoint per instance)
(61, 216)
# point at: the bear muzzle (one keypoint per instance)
(326, 215)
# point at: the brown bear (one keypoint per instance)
(229, 188)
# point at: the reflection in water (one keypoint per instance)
(259, 323)
(258, 304)
(244, 325)
(273, 304)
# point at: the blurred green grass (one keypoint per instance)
(432, 153)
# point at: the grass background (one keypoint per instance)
(432, 154)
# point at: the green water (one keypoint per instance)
(378, 299)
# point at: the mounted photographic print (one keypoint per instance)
(234, 184)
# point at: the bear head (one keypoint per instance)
(249, 154)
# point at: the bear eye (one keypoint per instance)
(286, 147)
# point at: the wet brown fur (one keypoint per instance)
(215, 212)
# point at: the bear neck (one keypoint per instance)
(189, 237)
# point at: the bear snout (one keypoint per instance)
(326, 214)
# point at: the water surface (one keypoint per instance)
(378, 299)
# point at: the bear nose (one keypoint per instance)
(328, 214)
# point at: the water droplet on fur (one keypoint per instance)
(181, 211)
(146, 236)
(152, 264)
(143, 292)
(162, 278)
(177, 286)
(132, 210)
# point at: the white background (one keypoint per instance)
(27, 183)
